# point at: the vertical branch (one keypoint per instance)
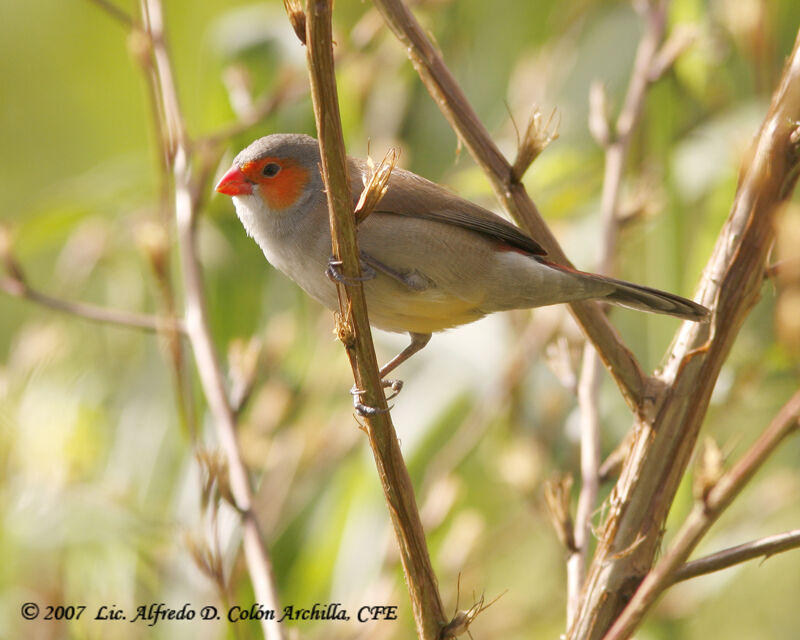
(196, 318)
(663, 442)
(616, 149)
(588, 392)
(616, 143)
(354, 328)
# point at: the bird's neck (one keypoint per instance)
(287, 235)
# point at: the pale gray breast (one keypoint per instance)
(299, 246)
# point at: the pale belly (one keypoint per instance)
(393, 307)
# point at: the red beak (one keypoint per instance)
(234, 183)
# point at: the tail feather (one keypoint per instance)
(636, 296)
(632, 296)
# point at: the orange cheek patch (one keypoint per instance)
(285, 188)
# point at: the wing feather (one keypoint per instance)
(411, 195)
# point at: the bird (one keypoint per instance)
(431, 259)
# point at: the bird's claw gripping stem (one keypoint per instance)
(367, 411)
(335, 274)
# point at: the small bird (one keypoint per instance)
(431, 259)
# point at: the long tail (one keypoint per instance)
(636, 296)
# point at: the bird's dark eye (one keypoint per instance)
(271, 169)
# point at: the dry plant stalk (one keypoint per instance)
(461, 620)
(297, 18)
(176, 153)
(557, 498)
(664, 438)
(376, 185)
(615, 139)
(537, 137)
(429, 615)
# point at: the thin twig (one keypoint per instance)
(152, 239)
(288, 89)
(115, 12)
(197, 323)
(426, 603)
(588, 401)
(763, 547)
(682, 37)
(703, 515)
(449, 97)
(140, 48)
(94, 313)
(616, 150)
(778, 269)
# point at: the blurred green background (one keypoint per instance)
(101, 492)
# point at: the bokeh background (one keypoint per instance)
(101, 500)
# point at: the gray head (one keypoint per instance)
(297, 146)
(281, 171)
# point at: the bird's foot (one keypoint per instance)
(365, 410)
(334, 272)
(395, 385)
(368, 412)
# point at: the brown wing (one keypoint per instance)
(414, 196)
